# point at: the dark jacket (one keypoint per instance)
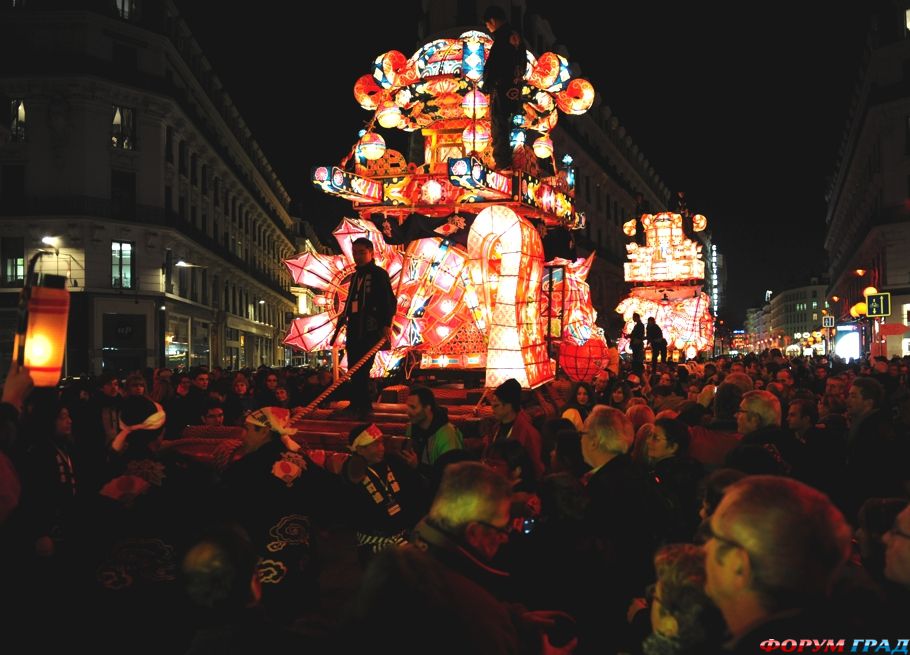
(372, 296)
(505, 65)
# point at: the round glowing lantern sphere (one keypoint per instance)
(388, 115)
(862, 308)
(543, 147)
(475, 104)
(577, 97)
(367, 92)
(371, 146)
(869, 291)
(581, 363)
(476, 137)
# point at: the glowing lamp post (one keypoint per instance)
(41, 335)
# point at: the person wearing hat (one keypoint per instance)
(513, 423)
(368, 314)
(386, 494)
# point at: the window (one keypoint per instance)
(122, 264)
(194, 178)
(126, 9)
(205, 179)
(216, 195)
(181, 207)
(123, 195)
(204, 274)
(12, 260)
(17, 120)
(182, 157)
(123, 128)
(168, 199)
(169, 144)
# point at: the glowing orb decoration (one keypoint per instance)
(476, 136)
(389, 114)
(475, 104)
(431, 192)
(577, 97)
(386, 67)
(367, 93)
(581, 363)
(371, 146)
(543, 147)
(546, 71)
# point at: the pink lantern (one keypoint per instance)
(475, 104)
(388, 115)
(371, 146)
(543, 147)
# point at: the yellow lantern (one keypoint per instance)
(44, 340)
(476, 137)
(862, 308)
(371, 146)
(543, 147)
(869, 291)
(388, 115)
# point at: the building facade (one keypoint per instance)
(122, 144)
(868, 217)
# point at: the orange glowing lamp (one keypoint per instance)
(869, 291)
(41, 339)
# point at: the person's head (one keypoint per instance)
(802, 414)
(511, 460)
(582, 394)
(865, 395)
(607, 433)
(876, 516)
(219, 572)
(670, 438)
(109, 385)
(601, 381)
(135, 385)
(713, 486)
(473, 504)
(214, 414)
(240, 385)
(420, 405)
(620, 394)
(63, 424)
(897, 550)
(640, 415)
(636, 317)
(270, 381)
(493, 17)
(832, 404)
(366, 440)
(651, 320)
(741, 380)
(281, 394)
(757, 410)
(836, 384)
(680, 609)
(566, 454)
(774, 544)
(200, 378)
(506, 401)
(362, 251)
(785, 378)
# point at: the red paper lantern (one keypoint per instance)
(581, 363)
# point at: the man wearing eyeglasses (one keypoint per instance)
(758, 419)
(774, 547)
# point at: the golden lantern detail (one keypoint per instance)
(869, 291)
(543, 147)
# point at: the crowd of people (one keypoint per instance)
(708, 507)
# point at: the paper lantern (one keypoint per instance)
(475, 104)
(546, 71)
(577, 97)
(44, 340)
(367, 92)
(869, 291)
(388, 115)
(371, 146)
(476, 137)
(581, 363)
(543, 147)
(386, 66)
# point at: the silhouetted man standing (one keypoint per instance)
(368, 314)
(502, 80)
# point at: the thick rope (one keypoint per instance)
(341, 380)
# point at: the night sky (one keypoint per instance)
(740, 106)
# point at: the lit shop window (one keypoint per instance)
(123, 128)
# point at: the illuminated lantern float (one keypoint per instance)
(470, 283)
(667, 274)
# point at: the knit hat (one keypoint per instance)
(509, 393)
